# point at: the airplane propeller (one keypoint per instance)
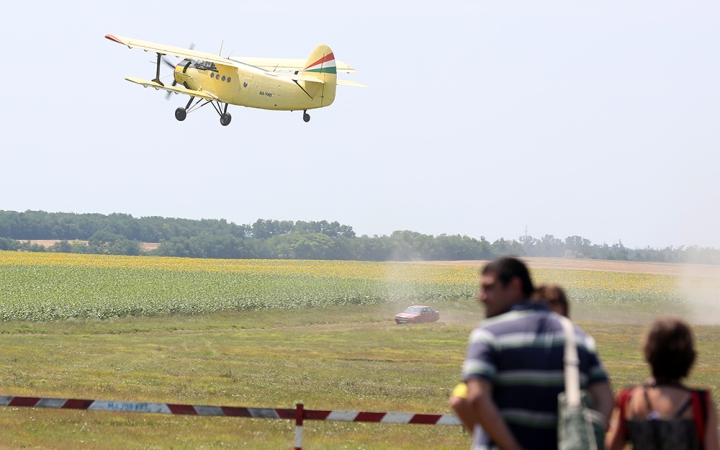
(168, 62)
(172, 66)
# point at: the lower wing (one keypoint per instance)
(174, 89)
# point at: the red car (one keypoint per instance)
(417, 314)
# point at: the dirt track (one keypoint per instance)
(699, 270)
(49, 242)
(602, 265)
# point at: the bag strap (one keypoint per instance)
(571, 362)
(683, 408)
(699, 401)
(647, 401)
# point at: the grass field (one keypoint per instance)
(347, 357)
(335, 355)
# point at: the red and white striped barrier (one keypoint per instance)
(231, 411)
(153, 408)
(299, 413)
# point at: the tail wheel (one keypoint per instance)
(306, 117)
(225, 119)
(180, 114)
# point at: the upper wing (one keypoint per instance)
(270, 64)
(170, 50)
(274, 64)
(174, 89)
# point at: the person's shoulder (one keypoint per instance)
(584, 339)
(624, 395)
(630, 391)
(515, 326)
(491, 328)
(482, 335)
(510, 320)
(702, 391)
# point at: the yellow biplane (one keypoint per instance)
(265, 83)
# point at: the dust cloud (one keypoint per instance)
(700, 291)
(403, 289)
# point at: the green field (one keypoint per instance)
(344, 352)
(41, 287)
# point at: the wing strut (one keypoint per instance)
(157, 71)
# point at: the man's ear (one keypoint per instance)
(516, 286)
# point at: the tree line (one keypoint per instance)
(122, 234)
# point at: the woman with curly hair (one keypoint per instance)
(664, 413)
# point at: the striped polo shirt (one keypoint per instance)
(520, 353)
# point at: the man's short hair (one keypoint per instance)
(669, 349)
(505, 269)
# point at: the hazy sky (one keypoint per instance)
(600, 119)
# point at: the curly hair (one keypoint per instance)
(669, 349)
(553, 295)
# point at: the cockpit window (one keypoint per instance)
(204, 65)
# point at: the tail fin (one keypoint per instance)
(321, 64)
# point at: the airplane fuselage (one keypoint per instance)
(252, 87)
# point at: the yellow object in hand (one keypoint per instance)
(460, 391)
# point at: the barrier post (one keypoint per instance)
(299, 414)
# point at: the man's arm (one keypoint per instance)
(614, 440)
(603, 398)
(711, 436)
(485, 413)
(464, 412)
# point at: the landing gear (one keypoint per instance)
(225, 119)
(306, 116)
(221, 108)
(180, 114)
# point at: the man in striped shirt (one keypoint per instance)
(514, 365)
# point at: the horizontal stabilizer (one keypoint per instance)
(350, 83)
(274, 64)
(297, 77)
(174, 89)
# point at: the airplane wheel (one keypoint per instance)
(225, 119)
(306, 117)
(180, 114)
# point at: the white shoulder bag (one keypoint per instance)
(579, 426)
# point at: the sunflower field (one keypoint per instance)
(52, 286)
